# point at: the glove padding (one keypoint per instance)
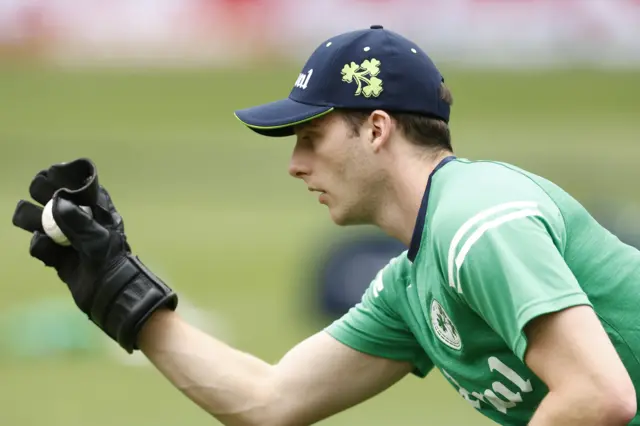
(109, 284)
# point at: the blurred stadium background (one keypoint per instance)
(147, 89)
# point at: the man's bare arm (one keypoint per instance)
(316, 379)
(588, 384)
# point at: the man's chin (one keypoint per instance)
(344, 219)
(337, 218)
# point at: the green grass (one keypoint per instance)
(209, 205)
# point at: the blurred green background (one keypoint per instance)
(210, 207)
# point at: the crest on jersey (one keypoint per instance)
(443, 327)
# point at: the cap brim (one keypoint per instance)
(276, 119)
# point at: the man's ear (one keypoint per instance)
(381, 126)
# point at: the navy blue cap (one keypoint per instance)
(372, 68)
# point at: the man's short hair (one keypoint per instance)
(421, 130)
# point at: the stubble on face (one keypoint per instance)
(358, 181)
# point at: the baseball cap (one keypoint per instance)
(372, 68)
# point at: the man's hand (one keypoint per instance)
(110, 285)
(316, 379)
(588, 384)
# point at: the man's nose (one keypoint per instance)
(297, 169)
(299, 164)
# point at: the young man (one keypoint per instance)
(508, 287)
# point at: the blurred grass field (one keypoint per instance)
(210, 207)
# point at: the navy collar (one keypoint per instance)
(422, 213)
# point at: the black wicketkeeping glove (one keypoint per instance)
(109, 284)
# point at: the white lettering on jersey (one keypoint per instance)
(463, 392)
(518, 210)
(496, 365)
(499, 404)
(303, 80)
(511, 399)
(377, 283)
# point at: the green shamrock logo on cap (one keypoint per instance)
(365, 76)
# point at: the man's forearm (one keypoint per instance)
(231, 385)
(571, 408)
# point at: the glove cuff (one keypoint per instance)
(129, 293)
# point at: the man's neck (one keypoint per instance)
(398, 214)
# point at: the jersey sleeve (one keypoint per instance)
(375, 327)
(507, 263)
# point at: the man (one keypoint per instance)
(508, 287)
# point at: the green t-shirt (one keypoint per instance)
(494, 246)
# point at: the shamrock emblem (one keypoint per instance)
(349, 72)
(365, 77)
(371, 66)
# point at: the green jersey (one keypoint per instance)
(494, 246)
